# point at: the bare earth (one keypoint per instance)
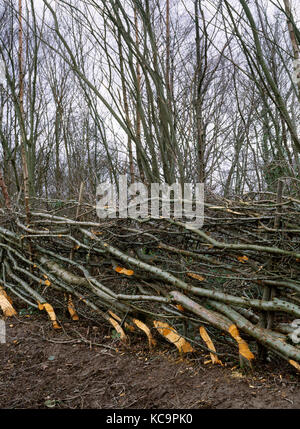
(43, 368)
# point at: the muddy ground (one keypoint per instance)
(84, 366)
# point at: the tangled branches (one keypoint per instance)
(238, 274)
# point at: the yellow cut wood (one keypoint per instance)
(170, 333)
(6, 296)
(118, 328)
(6, 304)
(127, 326)
(196, 276)
(51, 313)
(206, 338)
(243, 346)
(124, 271)
(242, 259)
(143, 327)
(71, 309)
(295, 364)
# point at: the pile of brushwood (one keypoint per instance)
(238, 275)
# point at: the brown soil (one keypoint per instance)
(43, 368)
